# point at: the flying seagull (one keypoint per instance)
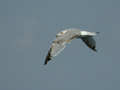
(66, 36)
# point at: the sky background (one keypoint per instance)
(27, 28)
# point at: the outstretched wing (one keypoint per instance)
(90, 42)
(55, 49)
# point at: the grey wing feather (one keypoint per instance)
(90, 42)
(55, 49)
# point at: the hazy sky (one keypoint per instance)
(27, 28)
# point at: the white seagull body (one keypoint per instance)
(65, 36)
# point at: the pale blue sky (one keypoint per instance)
(27, 28)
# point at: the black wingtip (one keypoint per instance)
(45, 63)
(48, 57)
(94, 49)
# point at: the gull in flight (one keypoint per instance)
(66, 36)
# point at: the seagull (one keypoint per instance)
(66, 36)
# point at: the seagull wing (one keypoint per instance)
(90, 42)
(55, 49)
(59, 43)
